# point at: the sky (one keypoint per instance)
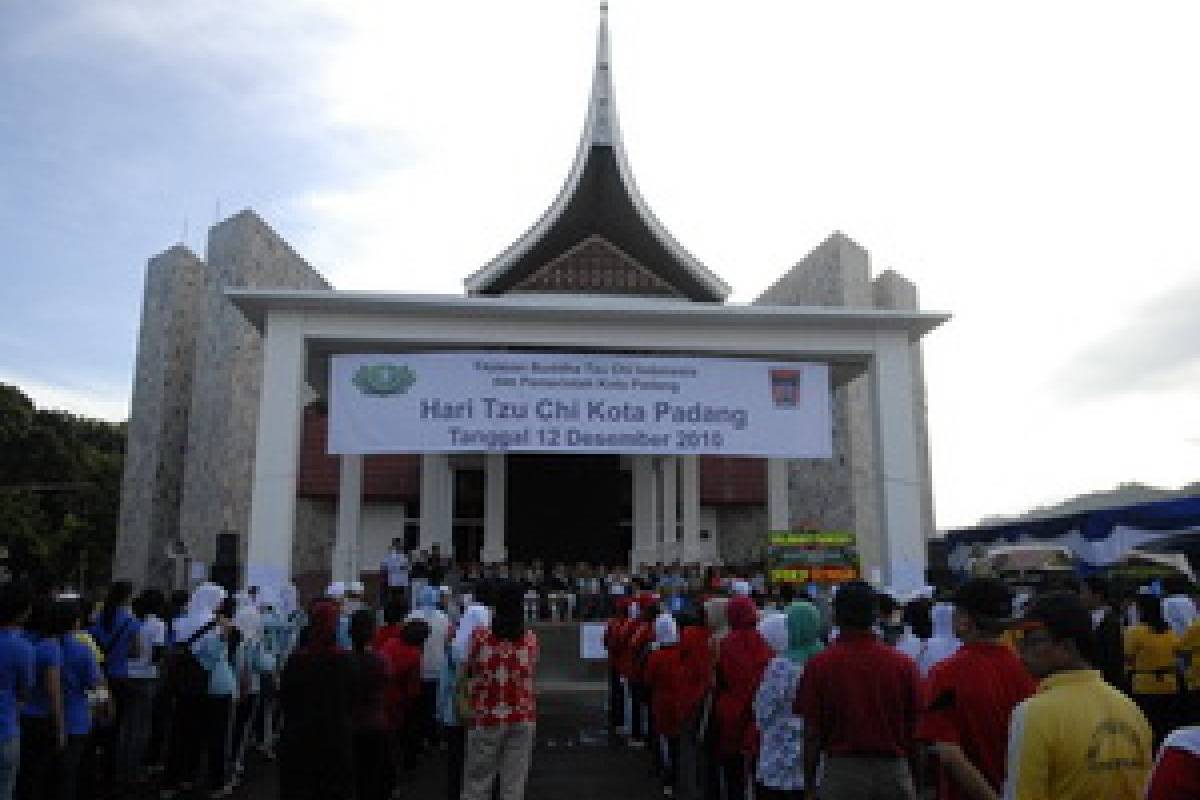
(1033, 167)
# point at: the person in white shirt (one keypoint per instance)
(943, 643)
(149, 607)
(396, 571)
(433, 657)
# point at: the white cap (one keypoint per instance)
(336, 590)
(740, 588)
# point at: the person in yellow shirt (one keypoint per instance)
(1077, 737)
(1150, 648)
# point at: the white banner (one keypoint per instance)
(556, 402)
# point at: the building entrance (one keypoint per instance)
(567, 509)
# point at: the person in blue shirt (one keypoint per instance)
(43, 732)
(116, 631)
(80, 675)
(16, 679)
(215, 651)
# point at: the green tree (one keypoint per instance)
(60, 487)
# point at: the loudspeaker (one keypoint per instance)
(227, 549)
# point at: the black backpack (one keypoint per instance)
(186, 676)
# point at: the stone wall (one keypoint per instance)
(316, 529)
(242, 252)
(158, 421)
(741, 533)
(841, 492)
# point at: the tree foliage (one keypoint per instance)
(60, 488)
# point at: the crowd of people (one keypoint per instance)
(732, 688)
(980, 693)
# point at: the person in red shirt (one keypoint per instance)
(402, 650)
(664, 674)
(393, 623)
(1176, 774)
(641, 637)
(695, 680)
(613, 644)
(742, 658)
(970, 696)
(859, 699)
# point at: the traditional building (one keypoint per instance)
(228, 462)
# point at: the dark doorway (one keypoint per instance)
(566, 509)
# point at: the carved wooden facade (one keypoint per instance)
(595, 265)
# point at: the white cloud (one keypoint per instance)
(108, 403)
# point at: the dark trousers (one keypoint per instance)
(616, 700)
(108, 736)
(426, 708)
(1160, 712)
(712, 760)
(67, 778)
(767, 793)
(671, 769)
(456, 751)
(186, 741)
(733, 774)
(217, 712)
(372, 765)
(160, 726)
(640, 710)
(244, 713)
(39, 752)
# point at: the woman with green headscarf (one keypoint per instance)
(794, 635)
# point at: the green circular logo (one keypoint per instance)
(384, 380)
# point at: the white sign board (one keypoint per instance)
(591, 641)
(576, 403)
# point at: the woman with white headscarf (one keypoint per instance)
(187, 740)
(943, 643)
(475, 617)
(251, 661)
(433, 658)
(794, 636)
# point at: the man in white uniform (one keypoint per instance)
(396, 572)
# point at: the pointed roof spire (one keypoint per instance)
(600, 117)
(607, 203)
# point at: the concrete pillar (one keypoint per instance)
(778, 513)
(689, 479)
(347, 540)
(437, 503)
(645, 512)
(277, 450)
(495, 475)
(898, 466)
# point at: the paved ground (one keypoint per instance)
(573, 758)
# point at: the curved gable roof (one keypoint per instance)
(600, 198)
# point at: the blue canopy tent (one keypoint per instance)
(1096, 538)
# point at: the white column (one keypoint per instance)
(495, 474)
(347, 539)
(897, 465)
(277, 450)
(690, 490)
(669, 475)
(645, 507)
(445, 530)
(778, 514)
(435, 474)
